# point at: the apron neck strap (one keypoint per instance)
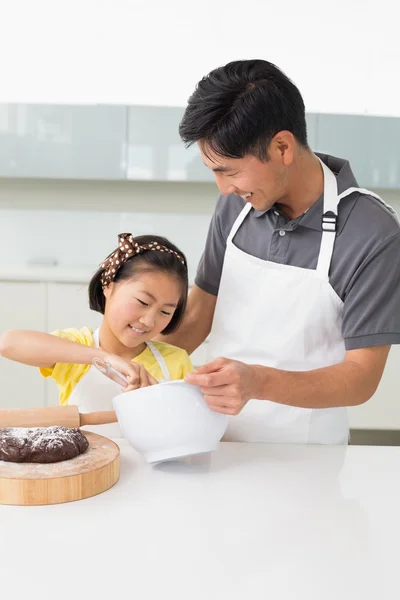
(96, 338)
(330, 214)
(160, 359)
(329, 221)
(369, 193)
(241, 217)
(156, 353)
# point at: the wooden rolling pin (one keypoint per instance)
(67, 416)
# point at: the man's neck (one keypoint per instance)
(306, 185)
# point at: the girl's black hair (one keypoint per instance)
(153, 260)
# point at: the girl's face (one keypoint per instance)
(139, 309)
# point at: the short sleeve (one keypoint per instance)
(209, 271)
(65, 375)
(371, 311)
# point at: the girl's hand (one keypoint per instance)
(136, 374)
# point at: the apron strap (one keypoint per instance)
(369, 193)
(96, 337)
(160, 359)
(329, 217)
(241, 217)
(329, 221)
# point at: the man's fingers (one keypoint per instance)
(223, 410)
(212, 366)
(211, 380)
(219, 390)
(229, 403)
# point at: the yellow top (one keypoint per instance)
(67, 376)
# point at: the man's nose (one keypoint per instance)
(225, 187)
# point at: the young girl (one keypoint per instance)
(141, 289)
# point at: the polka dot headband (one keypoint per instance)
(127, 247)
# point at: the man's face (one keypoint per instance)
(260, 183)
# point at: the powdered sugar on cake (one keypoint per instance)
(41, 444)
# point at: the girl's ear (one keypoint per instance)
(107, 291)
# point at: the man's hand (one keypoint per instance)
(227, 385)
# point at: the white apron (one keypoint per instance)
(284, 317)
(95, 391)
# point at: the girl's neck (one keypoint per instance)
(109, 343)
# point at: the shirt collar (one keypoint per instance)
(345, 179)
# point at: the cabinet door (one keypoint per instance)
(382, 411)
(369, 143)
(156, 152)
(23, 306)
(64, 142)
(68, 306)
(346, 136)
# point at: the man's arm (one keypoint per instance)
(349, 383)
(196, 324)
(228, 384)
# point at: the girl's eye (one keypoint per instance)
(164, 312)
(141, 302)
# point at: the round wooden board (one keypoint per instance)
(29, 484)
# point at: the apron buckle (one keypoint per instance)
(329, 221)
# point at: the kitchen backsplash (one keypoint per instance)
(84, 238)
(75, 223)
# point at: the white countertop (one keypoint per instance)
(249, 521)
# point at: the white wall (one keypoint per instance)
(76, 223)
(343, 55)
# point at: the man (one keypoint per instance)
(299, 280)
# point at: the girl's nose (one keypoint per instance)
(147, 320)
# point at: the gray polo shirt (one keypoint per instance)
(365, 268)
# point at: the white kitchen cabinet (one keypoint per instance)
(67, 306)
(156, 152)
(369, 143)
(382, 411)
(23, 306)
(63, 142)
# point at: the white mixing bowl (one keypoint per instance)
(168, 421)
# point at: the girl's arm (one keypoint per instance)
(39, 349)
(44, 350)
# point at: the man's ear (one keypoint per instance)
(282, 147)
